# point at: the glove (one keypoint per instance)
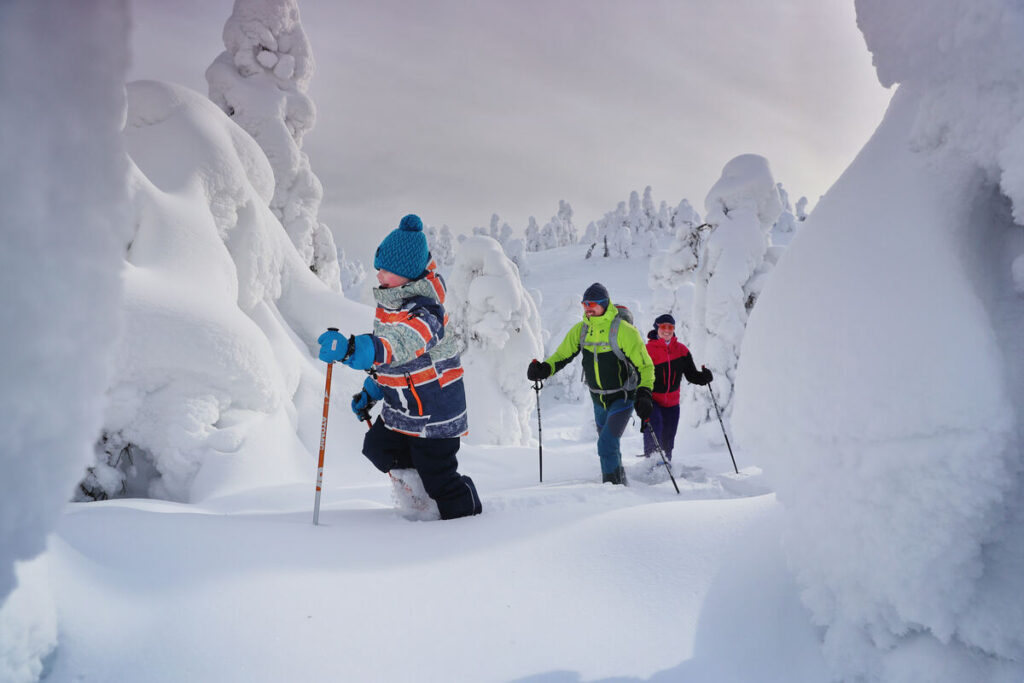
(643, 404)
(706, 375)
(362, 353)
(332, 346)
(538, 371)
(365, 399)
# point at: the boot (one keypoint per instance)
(409, 495)
(616, 477)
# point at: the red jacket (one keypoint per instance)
(672, 362)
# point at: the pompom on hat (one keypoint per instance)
(404, 251)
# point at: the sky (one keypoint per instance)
(458, 109)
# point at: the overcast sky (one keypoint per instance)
(457, 109)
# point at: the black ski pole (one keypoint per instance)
(657, 444)
(537, 385)
(719, 413)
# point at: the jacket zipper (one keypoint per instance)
(419, 404)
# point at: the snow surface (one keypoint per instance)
(562, 581)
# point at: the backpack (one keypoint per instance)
(633, 378)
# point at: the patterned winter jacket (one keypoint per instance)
(603, 372)
(417, 364)
(672, 362)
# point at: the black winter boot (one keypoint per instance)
(616, 477)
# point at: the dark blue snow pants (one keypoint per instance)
(434, 459)
(664, 421)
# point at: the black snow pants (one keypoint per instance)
(434, 459)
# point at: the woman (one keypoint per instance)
(672, 361)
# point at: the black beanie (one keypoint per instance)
(596, 292)
(663, 319)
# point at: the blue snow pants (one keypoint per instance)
(434, 459)
(611, 423)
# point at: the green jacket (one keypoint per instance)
(602, 370)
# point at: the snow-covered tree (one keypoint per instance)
(741, 208)
(622, 244)
(220, 313)
(801, 209)
(567, 229)
(901, 477)
(65, 223)
(557, 232)
(548, 236)
(353, 273)
(784, 230)
(532, 235)
(498, 325)
(671, 273)
(260, 81)
(440, 244)
(515, 249)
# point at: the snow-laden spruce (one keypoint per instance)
(499, 325)
(62, 193)
(670, 273)
(741, 208)
(882, 375)
(558, 232)
(260, 81)
(214, 370)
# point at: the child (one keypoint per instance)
(415, 369)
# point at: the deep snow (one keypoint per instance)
(879, 387)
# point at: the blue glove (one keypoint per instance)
(373, 389)
(365, 399)
(332, 346)
(363, 353)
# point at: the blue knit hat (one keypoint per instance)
(404, 251)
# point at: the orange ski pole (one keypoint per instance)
(323, 444)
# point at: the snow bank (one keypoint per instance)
(62, 177)
(882, 374)
(221, 315)
(500, 327)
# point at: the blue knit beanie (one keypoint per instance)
(664, 319)
(404, 251)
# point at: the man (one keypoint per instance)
(616, 367)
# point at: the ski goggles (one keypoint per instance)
(592, 303)
(667, 327)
